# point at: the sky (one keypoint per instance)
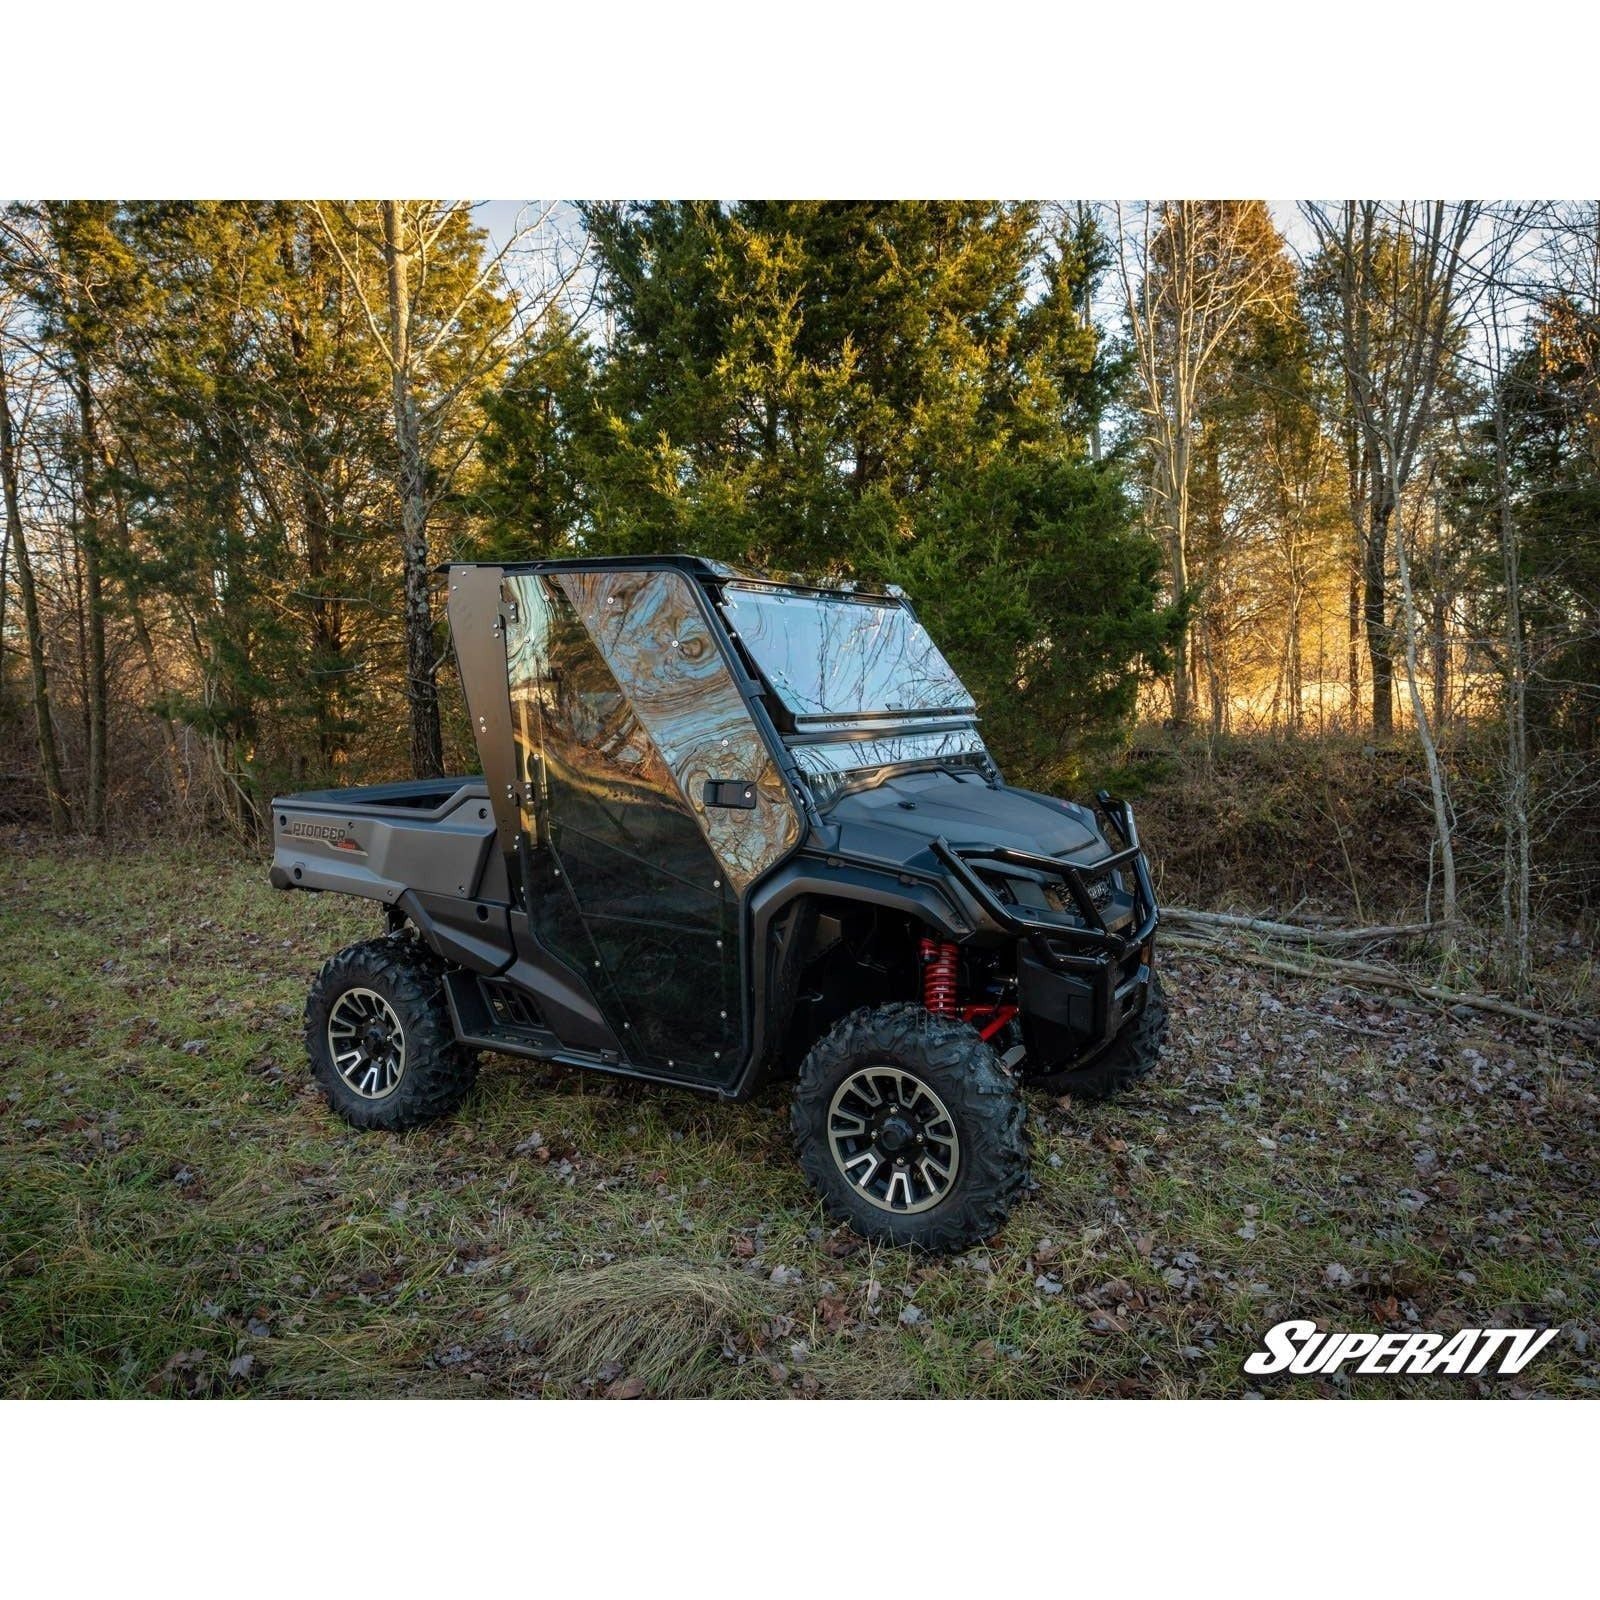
(503, 218)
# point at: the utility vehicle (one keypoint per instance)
(732, 828)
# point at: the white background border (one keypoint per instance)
(842, 100)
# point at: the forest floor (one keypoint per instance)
(181, 1215)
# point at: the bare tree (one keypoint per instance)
(17, 549)
(1542, 259)
(438, 310)
(1191, 272)
(1396, 275)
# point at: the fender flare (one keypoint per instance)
(834, 878)
(475, 934)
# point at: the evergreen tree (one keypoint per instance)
(892, 391)
(1550, 400)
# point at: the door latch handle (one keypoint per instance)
(731, 792)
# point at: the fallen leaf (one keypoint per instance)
(833, 1311)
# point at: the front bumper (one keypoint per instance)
(1077, 985)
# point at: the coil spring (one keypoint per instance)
(940, 977)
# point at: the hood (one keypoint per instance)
(895, 821)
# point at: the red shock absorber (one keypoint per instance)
(940, 977)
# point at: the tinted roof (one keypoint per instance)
(699, 566)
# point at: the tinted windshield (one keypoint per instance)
(835, 658)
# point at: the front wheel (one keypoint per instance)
(379, 1036)
(910, 1129)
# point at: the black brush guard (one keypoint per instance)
(1089, 979)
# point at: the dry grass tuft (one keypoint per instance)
(873, 1365)
(670, 1325)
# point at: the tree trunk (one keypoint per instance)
(1295, 663)
(1443, 818)
(94, 607)
(1353, 646)
(49, 758)
(1178, 555)
(326, 631)
(1380, 647)
(169, 733)
(326, 638)
(422, 689)
(1355, 460)
(1219, 704)
(1517, 864)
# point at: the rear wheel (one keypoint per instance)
(910, 1129)
(379, 1036)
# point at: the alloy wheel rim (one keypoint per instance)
(893, 1139)
(366, 1043)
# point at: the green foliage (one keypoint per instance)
(899, 391)
(245, 485)
(1041, 596)
(531, 492)
(1551, 422)
(242, 400)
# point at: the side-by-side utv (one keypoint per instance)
(731, 829)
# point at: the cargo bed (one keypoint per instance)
(433, 835)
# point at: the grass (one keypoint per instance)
(181, 1215)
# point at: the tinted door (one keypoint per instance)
(625, 880)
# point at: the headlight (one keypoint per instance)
(1102, 891)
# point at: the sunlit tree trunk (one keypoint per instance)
(1374, 608)
(1191, 273)
(1441, 647)
(1398, 284)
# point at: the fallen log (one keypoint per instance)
(1294, 933)
(1359, 973)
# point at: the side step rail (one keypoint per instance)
(489, 1015)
